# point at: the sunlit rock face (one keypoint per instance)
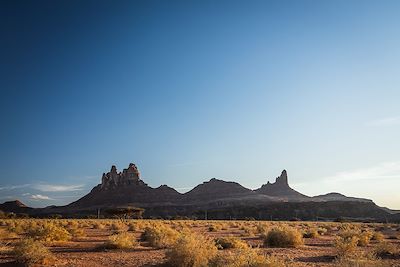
(114, 179)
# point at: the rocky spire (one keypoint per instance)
(282, 179)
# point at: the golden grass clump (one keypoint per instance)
(29, 252)
(49, 232)
(230, 242)
(214, 227)
(160, 235)
(378, 236)
(385, 249)
(191, 250)
(360, 262)
(346, 246)
(122, 240)
(246, 257)
(77, 233)
(311, 233)
(117, 227)
(364, 238)
(98, 225)
(283, 237)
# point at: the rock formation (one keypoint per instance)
(281, 189)
(221, 199)
(113, 179)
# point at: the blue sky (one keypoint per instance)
(191, 90)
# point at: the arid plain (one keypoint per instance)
(116, 242)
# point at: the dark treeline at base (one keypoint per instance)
(307, 211)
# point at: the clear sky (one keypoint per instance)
(191, 90)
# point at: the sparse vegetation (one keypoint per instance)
(283, 237)
(346, 246)
(190, 243)
(246, 257)
(160, 236)
(191, 250)
(230, 242)
(29, 252)
(121, 241)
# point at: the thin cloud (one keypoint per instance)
(382, 171)
(58, 188)
(40, 197)
(13, 187)
(389, 121)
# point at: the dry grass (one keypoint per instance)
(121, 241)
(191, 250)
(246, 257)
(385, 249)
(283, 237)
(378, 236)
(230, 242)
(311, 233)
(49, 232)
(29, 252)
(160, 235)
(346, 246)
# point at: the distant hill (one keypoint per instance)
(15, 206)
(222, 199)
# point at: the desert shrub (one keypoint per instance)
(49, 232)
(246, 257)
(322, 230)
(160, 236)
(214, 228)
(117, 227)
(311, 233)
(4, 234)
(191, 250)
(29, 251)
(262, 229)
(283, 237)
(230, 242)
(385, 249)
(132, 226)
(364, 238)
(77, 232)
(346, 246)
(378, 236)
(248, 230)
(361, 260)
(98, 226)
(17, 229)
(348, 232)
(121, 241)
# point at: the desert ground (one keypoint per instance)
(120, 242)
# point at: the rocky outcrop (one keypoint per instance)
(281, 189)
(221, 198)
(125, 188)
(113, 179)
